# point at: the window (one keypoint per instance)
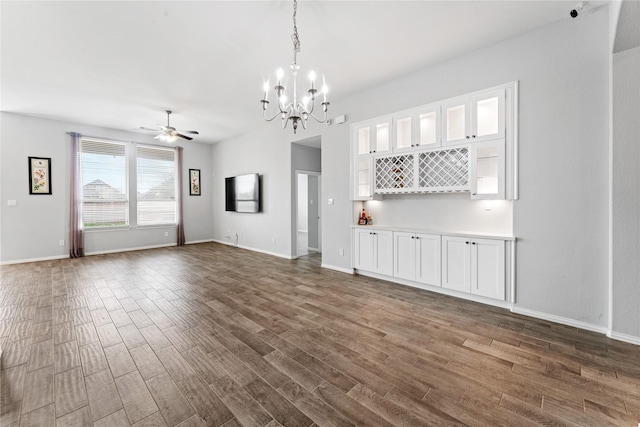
(156, 185)
(103, 168)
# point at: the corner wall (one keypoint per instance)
(625, 235)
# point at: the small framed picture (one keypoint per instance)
(194, 182)
(39, 175)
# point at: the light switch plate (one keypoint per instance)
(12, 203)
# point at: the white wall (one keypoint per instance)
(303, 201)
(266, 151)
(313, 209)
(33, 229)
(625, 237)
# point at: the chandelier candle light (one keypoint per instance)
(297, 112)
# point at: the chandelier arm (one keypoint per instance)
(264, 115)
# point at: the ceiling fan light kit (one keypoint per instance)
(170, 134)
(294, 111)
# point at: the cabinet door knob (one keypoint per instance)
(473, 243)
(466, 243)
(374, 151)
(467, 136)
(417, 238)
(473, 194)
(473, 136)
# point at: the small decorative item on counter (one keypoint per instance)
(363, 218)
(369, 220)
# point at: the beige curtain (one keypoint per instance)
(76, 226)
(180, 228)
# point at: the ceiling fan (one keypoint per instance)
(169, 133)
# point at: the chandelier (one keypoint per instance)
(295, 111)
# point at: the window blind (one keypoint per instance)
(156, 173)
(103, 168)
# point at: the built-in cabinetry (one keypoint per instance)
(474, 265)
(373, 250)
(416, 256)
(476, 117)
(463, 144)
(477, 266)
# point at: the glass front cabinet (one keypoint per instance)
(368, 138)
(480, 117)
(416, 128)
(467, 143)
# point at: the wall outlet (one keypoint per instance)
(166, 234)
(341, 252)
(12, 203)
(61, 242)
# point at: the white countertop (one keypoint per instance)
(462, 233)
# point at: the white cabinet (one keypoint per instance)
(363, 178)
(417, 257)
(487, 169)
(478, 117)
(416, 128)
(474, 265)
(373, 250)
(368, 138)
(372, 136)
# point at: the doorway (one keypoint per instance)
(308, 212)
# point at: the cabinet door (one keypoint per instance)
(487, 268)
(487, 169)
(487, 115)
(403, 131)
(427, 259)
(455, 118)
(363, 140)
(427, 127)
(404, 255)
(363, 178)
(364, 249)
(456, 266)
(383, 252)
(382, 131)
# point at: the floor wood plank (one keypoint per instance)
(208, 334)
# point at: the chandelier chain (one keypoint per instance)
(295, 37)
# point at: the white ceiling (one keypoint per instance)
(120, 64)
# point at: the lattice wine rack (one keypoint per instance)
(394, 174)
(444, 170)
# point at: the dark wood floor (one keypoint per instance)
(212, 335)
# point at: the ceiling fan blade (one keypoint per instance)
(193, 132)
(188, 138)
(158, 136)
(149, 129)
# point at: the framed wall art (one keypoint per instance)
(39, 175)
(194, 182)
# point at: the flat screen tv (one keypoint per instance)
(242, 193)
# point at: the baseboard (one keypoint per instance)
(624, 337)
(254, 249)
(438, 289)
(559, 319)
(310, 249)
(195, 242)
(336, 268)
(23, 261)
(138, 248)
